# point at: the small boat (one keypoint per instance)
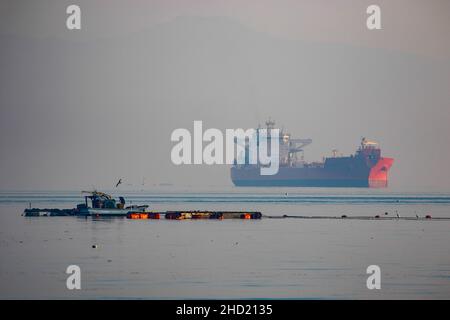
(103, 204)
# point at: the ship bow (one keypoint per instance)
(378, 176)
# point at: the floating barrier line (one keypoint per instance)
(356, 218)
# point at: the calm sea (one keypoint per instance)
(270, 258)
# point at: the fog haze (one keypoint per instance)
(83, 108)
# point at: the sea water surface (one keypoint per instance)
(237, 259)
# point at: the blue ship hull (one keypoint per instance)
(303, 183)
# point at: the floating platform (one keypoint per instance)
(143, 215)
(96, 212)
(36, 212)
(186, 215)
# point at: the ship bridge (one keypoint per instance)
(369, 144)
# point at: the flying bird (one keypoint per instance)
(118, 182)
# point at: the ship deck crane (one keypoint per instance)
(297, 145)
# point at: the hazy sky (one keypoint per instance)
(82, 108)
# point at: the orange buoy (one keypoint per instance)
(133, 215)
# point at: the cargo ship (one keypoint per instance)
(364, 169)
